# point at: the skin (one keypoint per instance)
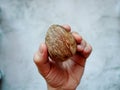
(63, 75)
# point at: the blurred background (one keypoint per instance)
(23, 25)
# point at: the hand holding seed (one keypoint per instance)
(76, 49)
(60, 43)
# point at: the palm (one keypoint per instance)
(65, 75)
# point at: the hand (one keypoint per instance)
(65, 75)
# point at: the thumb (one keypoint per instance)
(41, 60)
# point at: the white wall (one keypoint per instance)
(23, 24)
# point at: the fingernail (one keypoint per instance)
(41, 48)
(37, 57)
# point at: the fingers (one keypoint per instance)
(82, 46)
(87, 50)
(83, 50)
(67, 27)
(41, 60)
(77, 37)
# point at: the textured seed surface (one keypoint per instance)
(60, 43)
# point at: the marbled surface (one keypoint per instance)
(23, 24)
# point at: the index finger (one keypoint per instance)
(77, 37)
(67, 27)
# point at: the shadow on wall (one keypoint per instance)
(0, 32)
(0, 84)
(0, 15)
(0, 80)
(4, 23)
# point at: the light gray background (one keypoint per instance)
(23, 24)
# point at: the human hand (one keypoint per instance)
(63, 75)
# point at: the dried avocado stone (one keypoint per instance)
(60, 43)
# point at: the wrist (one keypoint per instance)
(56, 88)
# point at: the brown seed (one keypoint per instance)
(60, 43)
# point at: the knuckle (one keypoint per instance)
(87, 50)
(90, 48)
